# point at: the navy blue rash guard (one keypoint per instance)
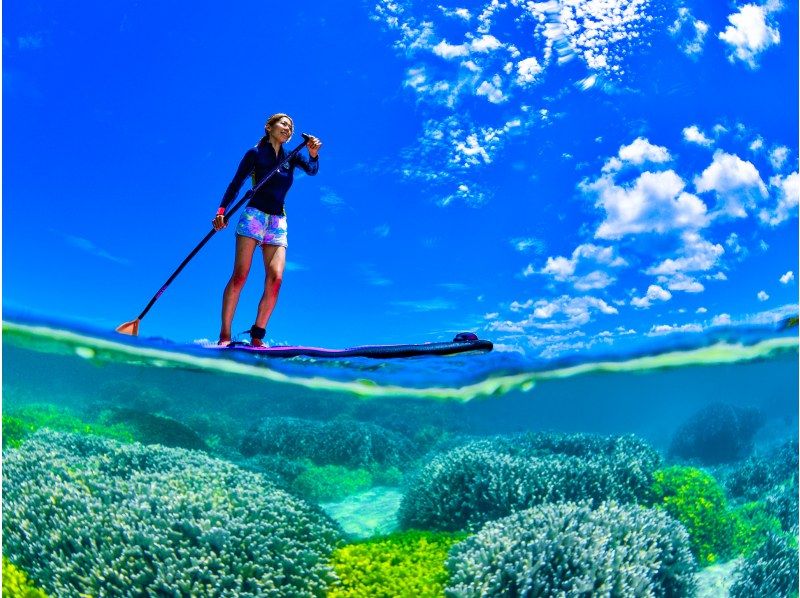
(257, 162)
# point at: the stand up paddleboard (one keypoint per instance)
(464, 342)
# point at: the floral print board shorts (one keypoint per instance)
(267, 229)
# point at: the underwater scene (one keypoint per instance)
(139, 467)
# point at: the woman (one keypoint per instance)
(263, 222)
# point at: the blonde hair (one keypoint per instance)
(271, 121)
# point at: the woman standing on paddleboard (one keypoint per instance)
(263, 222)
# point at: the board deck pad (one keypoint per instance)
(462, 343)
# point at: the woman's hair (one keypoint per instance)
(271, 121)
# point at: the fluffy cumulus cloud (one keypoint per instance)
(561, 313)
(690, 32)
(762, 296)
(654, 202)
(639, 152)
(654, 293)
(581, 269)
(697, 255)
(778, 156)
(787, 278)
(694, 135)
(662, 329)
(750, 32)
(787, 190)
(736, 183)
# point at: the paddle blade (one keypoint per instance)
(131, 328)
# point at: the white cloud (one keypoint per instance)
(638, 152)
(694, 135)
(662, 329)
(698, 254)
(529, 243)
(681, 282)
(654, 293)
(736, 182)
(450, 51)
(762, 296)
(701, 310)
(471, 196)
(527, 71)
(787, 278)
(491, 316)
(778, 156)
(757, 144)
(564, 269)
(561, 313)
(689, 31)
(486, 43)
(492, 90)
(655, 202)
(750, 33)
(787, 190)
(721, 320)
(461, 13)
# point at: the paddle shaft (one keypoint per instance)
(211, 233)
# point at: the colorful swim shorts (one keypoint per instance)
(267, 229)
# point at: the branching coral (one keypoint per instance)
(719, 433)
(569, 549)
(348, 443)
(327, 483)
(91, 516)
(403, 564)
(770, 571)
(488, 479)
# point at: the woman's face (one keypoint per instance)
(281, 130)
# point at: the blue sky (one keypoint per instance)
(557, 176)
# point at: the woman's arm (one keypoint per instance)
(245, 168)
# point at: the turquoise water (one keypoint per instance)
(443, 445)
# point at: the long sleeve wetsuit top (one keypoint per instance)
(257, 162)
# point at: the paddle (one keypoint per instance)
(132, 327)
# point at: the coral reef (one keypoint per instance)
(403, 564)
(489, 479)
(717, 532)
(718, 433)
(757, 475)
(324, 483)
(19, 423)
(16, 584)
(570, 549)
(771, 477)
(695, 498)
(770, 571)
(149, 428)
(343, 442)
(86, 515)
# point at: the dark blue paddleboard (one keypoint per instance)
(464, 342)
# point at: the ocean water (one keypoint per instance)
(137, 466)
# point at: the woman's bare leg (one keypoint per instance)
(245, 247)
(274, 263)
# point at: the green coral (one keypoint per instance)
(694, 498)
(409, 563)
(752, 524)
(717, 532)
(15, 583)
(327, 483)
(15, 430)
(18, 424)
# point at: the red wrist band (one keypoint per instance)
(220, 211)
